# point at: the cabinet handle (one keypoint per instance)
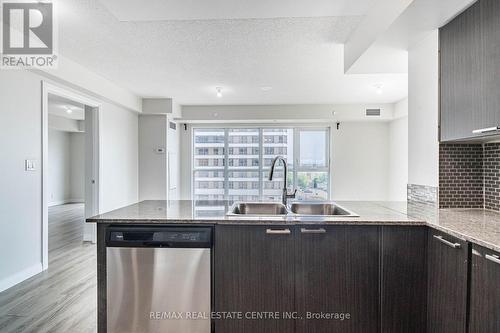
(444, 241)
(493, 258)
(486, 130)
(278, 231)
(313, 231)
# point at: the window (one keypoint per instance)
(242, 173)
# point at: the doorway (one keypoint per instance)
(70, 168)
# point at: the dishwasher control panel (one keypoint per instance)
(175, 237)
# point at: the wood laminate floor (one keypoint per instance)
(63, 298)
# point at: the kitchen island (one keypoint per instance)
(393, 268)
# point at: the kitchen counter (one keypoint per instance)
(475, 225)
(215, 212)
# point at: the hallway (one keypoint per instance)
(63, 298)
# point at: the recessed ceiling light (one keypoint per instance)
(69, 110)
(219, 91)
(266, 88)
(378, 88)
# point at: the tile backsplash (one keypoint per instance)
(422, 200)
(422, 194)
(492, 176)
(469, 175)
(461, 176)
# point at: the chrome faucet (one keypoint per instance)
(285, 195)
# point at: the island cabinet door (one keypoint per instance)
(485, 291)
(447, 283)
(404, 279)
(337, 269)
(253, 279)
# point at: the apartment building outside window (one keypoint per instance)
(236, 162)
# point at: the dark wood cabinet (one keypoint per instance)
(484, 291)
(352, 279)
(447, 283)
(254, 272)
(325, 278)
(337, 272)
(490, 71)
(460, 75)
(404, 279)
(470, 72)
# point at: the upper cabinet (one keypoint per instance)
(470, 73)
(490, 36)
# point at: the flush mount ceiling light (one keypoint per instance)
(68, 110)
(266, 88)
(219, 91)
(378, 88)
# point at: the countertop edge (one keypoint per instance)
(418, 222)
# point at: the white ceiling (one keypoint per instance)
(58, 106)
(300, 58)
(155, 10)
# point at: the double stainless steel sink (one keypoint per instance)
(321, 208)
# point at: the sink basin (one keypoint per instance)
(320, 209)
(258, 208)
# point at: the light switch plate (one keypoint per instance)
(29, 165)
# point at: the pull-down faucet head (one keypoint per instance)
(285, 194)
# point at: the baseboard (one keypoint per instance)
(19, 277)
(57, 203)
(66, 201)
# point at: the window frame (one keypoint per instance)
(296, 169)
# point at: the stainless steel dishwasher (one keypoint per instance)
(158, 279)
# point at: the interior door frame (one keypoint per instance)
(55, 89)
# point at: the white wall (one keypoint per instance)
(359, 156)
(66, 168)
(77, 167)
(152, 165)
(20, 191)
(423, 111)
(119, 151)
(59, 167)
(74, 75)
(284, 113)
(398, 153)
(360, 161)
(185, 156)
(65, 124)
(174, 163)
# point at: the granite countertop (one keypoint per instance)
(479, 226)
(475, 225)
(215, 212)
